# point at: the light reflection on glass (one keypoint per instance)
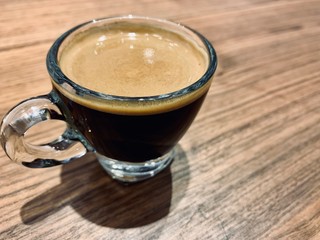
(157, 36)
(132, 36)
(102, 38)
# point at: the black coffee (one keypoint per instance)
(133, 61)
(133, 138)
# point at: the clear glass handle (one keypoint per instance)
(28, 113)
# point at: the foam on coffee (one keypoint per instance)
(132, 60)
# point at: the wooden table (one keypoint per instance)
(248, 168)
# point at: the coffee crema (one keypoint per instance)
(132, 60)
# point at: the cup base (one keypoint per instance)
(134, 172)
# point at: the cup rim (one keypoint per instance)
(70, 86)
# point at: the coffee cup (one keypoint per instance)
(128, 88)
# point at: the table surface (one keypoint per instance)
(248, 168)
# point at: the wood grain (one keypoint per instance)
(248, 168)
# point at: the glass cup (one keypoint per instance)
(131, 142)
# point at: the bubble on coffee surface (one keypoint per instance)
(133, 61)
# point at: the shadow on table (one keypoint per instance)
(96, 197)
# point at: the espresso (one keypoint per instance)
(132, 138)
(132, 60)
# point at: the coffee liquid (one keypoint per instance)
(133, 138)
(133, 61)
